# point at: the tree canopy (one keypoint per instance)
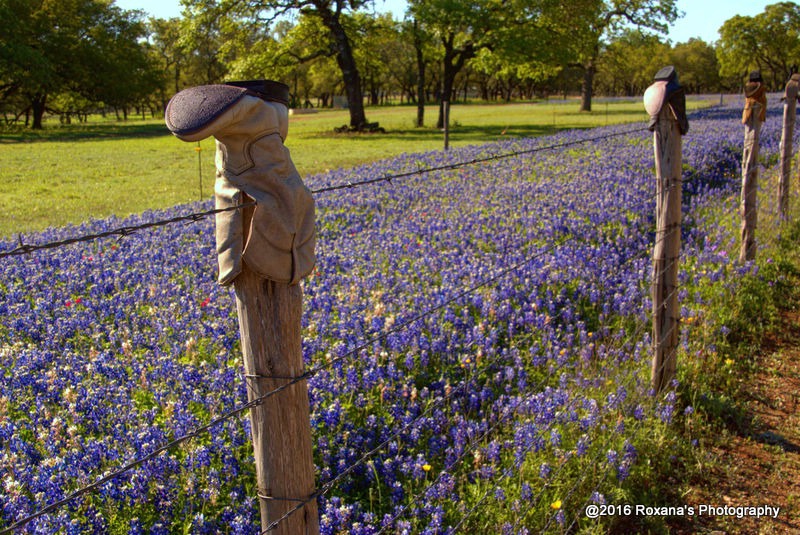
(769, 42)
(89, 50)
(71, 56)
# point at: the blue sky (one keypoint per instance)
(702, 18)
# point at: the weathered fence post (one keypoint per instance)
(755, 112)
(269, 324)
(665, 102)
(264, 249)
(789, 116)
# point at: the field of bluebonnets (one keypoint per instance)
(519, 399)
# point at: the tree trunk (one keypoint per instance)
(347, 64)
(447, 79)
(587, 87)
(177, 77)
(453, 62)
(447, 89)
(38, 108)
(420, 77)
(375, 94)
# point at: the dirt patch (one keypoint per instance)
(757, 462)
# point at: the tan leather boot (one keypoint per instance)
(755, 93)
(250, 121)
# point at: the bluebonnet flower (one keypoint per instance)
(544, 470)
(526, 492)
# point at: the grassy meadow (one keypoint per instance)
(67, 174)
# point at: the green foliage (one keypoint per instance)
(769, 41)
(88, 48)
(697, 66)
(629, 62)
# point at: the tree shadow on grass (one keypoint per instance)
(459, 134)
(84, 132)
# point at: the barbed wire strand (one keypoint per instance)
(636, 335)
(655, 400)
(326, 487)
(24, 249)
(507, 472)
(631, 381)
(447, 167)
(474, 444)
(257, 401)
(129, 466)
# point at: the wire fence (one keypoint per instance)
(127, 230)
(25, 249)
(500, 420)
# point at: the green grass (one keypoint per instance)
(68, 174)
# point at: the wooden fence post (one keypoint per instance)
(264, 251)
(269, 324)
(665, 101)
(754, 114)
(789, 116)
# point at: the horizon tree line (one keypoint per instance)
(74, 57)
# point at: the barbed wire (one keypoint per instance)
(257, 401)
(633, 378)
(129, 466)
(308, 374)
(324, 489)
(473, 445)
(636, 335)
(448, 167)
(655, 401)
(24, 249)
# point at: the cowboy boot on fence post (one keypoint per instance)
(264, 251)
